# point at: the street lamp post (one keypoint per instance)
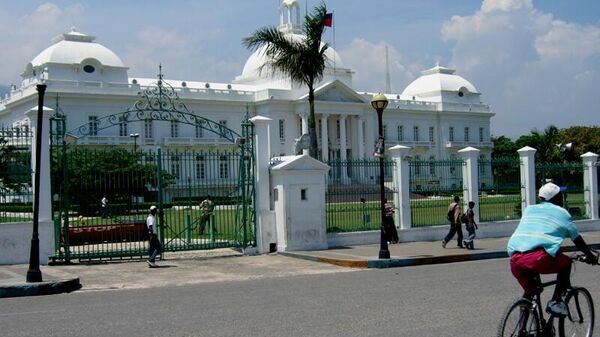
(379, 103)
(34, 274)
(135, 137)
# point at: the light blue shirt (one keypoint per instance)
(544, 225)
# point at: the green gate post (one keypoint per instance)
(211, 226)
(161, 229)
(188, 228)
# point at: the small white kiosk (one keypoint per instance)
(298, 192)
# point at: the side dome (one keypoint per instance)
(254, 63)
(438, 79)
(75, 47)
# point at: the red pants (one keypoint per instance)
(538, 261)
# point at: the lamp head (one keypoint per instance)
(379, 101)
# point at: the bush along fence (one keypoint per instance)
(15, 175)
(421, 190)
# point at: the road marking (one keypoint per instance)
(31, 312)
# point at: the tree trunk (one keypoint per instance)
(312, 131)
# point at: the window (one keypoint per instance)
(60, 125)
(319, 130)
(416, 133)
(93, 123)
(174, 129)
(89, 69)
(148, 130)
(175, 166)
(200, 168)
(338, 131)
(466, 133)
(482, 165)
(384, 131)
(451, 133)
(123, 127)
(432, 166)
(282, 130)
(481, 135)
(431, 134)
(303, 194)
(223, 128)
(223, 168)
(199, 131)
(400, 133)
(417, 165)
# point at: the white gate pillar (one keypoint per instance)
(399, 154)
(527, 155)
(45, 208)
(471, 178)
(265, 230)
(590, 184)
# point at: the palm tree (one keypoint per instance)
(303, 60)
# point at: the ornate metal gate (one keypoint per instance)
(102, 195)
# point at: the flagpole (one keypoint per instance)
(333, 28)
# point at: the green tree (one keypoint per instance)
(504, 147)
(544, 142)
(116, 173)
(303, 60)
(15, 169)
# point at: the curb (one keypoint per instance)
(41, 288)
(408, 261)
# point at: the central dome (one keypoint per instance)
(438, 79)
(259, 58)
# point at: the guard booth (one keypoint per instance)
(298, 184)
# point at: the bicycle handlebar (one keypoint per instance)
(583, 258)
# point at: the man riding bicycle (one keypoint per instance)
(534, 247)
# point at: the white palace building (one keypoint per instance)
(436, 115)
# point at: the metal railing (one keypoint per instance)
(353, 194)
(499, 189)
(16, 196)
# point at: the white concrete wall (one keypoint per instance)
(15, 242)
(437, 233)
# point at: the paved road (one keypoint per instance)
(435, 300)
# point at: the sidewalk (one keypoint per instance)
(226, 265)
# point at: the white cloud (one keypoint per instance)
(533, 69)
(367, 59)
(23, 37)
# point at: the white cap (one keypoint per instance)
(548, 191)
(153, 207)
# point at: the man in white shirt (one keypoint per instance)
(153, 242)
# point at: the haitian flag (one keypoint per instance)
(328, 21)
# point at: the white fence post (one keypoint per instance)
(399, 155)
(590, 184)
(45, 208)
(471, 178)
(527, 155)
(265, 232)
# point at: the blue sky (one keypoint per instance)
(536, 62)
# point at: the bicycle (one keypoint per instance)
(525, 318)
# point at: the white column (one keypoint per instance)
(324, 138)
(361, 138)
(343, 147)
(527, 155)
(304, 121)
(471, 178)
(45, 208)
(370, 139)
(399, 155)
(265, 229)
(590, 184)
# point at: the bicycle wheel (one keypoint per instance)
(519, 320)
(580, 319)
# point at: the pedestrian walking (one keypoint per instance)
(104, 206)
(469, 220)
(153, 242)
(389, 226)
(453, 217)
(207, 207)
